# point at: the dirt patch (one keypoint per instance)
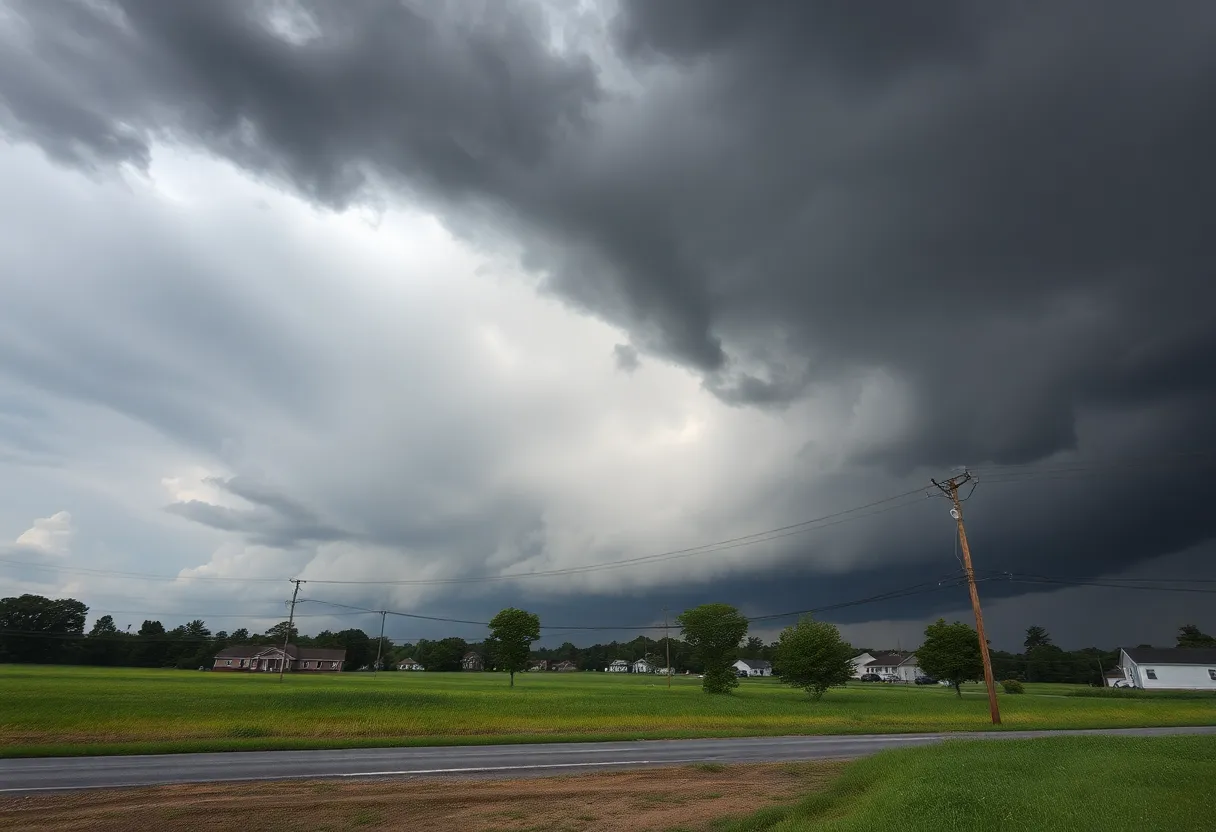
(655, 799)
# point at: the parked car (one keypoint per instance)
(925, 680)
(891, 677)
(871, 677)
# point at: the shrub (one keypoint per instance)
(1013, 686)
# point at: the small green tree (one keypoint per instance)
(513, 632)
(714, 631)
(951, 652)
(811, 655)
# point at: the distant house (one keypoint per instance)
(754, 667)
(538, 665)
(253, 658)
(618, 666)
(1168, 668)
(408, 664)
(565, 667)
(903, 665)
(472, 661)
(641, 666)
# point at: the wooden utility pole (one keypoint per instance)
(291, 617)
(950, 489)
(667, 644)
(379, 644)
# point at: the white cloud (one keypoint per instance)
(49, 535)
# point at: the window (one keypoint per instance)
(1150, 673)
(1212, 674)
(333, 664)
(306, 665)
(228, 663)
(242, 662)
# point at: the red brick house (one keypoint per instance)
(269, 659)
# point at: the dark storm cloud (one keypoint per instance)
(1005, 211)
(454, 103)
(1008, 210)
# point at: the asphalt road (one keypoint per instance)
(497, 761)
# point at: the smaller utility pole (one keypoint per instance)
(950, 489)
(379, 644)
(291, 617)
(667, 644)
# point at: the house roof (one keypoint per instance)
(757, 664)
(248, 651)
(1172, 655)
(472, 655)
(240, 651)
(889, 659)
(619, 661)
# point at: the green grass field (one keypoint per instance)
(1073, 783)
(82, 710)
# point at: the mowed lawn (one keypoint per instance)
(1073, 783)
(80, 710)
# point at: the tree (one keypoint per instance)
(152, 645)
(811, 655)
(360, 648)
(1190, 636)
(1036, 637)
(278, 633)
(714, 631)
(103, 626)
(441, 655)
(951, 652)
(513, 631)
(240, 636)
(38, 629)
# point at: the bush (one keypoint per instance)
(1013, 686)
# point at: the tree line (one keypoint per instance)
(809, 654)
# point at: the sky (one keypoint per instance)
(443, 308)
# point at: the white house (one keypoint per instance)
(642, 666)
(1168, 668)
(618, 666)
(903, 665)
(408, 664)
(754, 667)
(859, 663)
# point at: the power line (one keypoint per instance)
(915, 589)
(1016, 577)
(704, 549)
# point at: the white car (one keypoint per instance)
(891, 677)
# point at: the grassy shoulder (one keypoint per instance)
(53, 711)
(1074, 783)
